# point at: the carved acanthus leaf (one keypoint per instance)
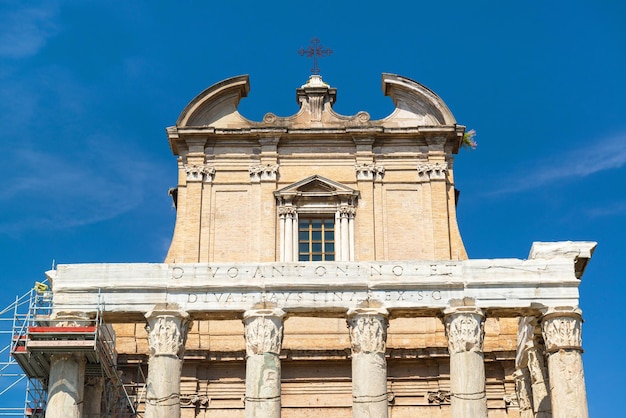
(465, 331)
(432, 171)
(369, 171)
(562, 332)
(263, 172)
(167, 335)
(264, 334)
(368, 333)
(200, 172)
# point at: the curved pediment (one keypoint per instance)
(415, 103)
(217, 104)
(217, 107)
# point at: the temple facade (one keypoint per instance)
(317, 270)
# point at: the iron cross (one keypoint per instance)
(316, 51)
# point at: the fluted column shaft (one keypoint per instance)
(561, 329)
(465, 332)
(167, 333)
(264, 336)
(368, 339)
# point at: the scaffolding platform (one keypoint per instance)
(37, 337)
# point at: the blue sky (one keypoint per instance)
(87, 88)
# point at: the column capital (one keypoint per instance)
(263, 329)
(464, 328)
(167, 331)
(561, 328)
(368, 329)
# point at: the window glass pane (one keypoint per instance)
(316, 238)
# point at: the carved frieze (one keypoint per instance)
(368, 330)
(167, 333)
(201, 172)
(464, 329)
(263, 172)
(432, 171)
(369, 171)
(562, 329)
(263, 330)
(441, 397)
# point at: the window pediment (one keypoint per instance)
(317, 188)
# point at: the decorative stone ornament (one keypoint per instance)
(368, 330)
(202, 172)
(369, 171)
(465, 329)
(263, 331)
(432, 171)
(562, 329)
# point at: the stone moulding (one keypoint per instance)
(506, 287)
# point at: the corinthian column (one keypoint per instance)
(264, 337)
(561, 329)
(167, 333)
(368, 338)
(465, 332)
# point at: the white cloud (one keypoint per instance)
(616, 208)
(25, 29)
(605, 154)
(59, 191)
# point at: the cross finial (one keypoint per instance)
(315, 50)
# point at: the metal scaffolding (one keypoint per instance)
(34, 336)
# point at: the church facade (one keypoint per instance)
(317, 269)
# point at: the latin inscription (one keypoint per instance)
(372, 271)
